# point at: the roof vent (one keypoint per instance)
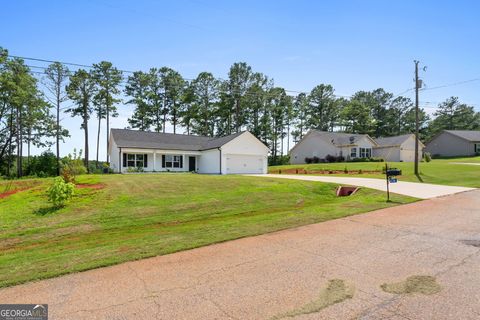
(352, 139)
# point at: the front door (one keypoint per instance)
(191, 164)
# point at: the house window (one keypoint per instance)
(171, 161)
(365, 152)
(353, 153)
(477, 147)
(134, 160)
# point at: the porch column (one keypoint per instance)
(154, 159)
(183, 162)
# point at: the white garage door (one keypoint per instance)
(244, 164)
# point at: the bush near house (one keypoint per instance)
(332, 159)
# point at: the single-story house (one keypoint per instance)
(451, 143)
(398, 148)
(152, 151)
(319, 144)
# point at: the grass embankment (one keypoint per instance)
(438, 171)
(137, 216)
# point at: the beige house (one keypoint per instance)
(321, 143)
(398, 148)
(452, 143)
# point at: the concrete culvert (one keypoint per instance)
(345, 191)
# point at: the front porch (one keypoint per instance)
(149, 160)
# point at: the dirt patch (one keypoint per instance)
(90, 186)
(413, 284)
(11, 187)
(10, 192)
(335, 292)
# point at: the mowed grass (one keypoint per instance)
(142, 215)
(438, 171)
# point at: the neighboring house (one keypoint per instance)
(398, 148)
(237, 153)
(321, 143)
(451, 143)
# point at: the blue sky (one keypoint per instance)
(353, 45)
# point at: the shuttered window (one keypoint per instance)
(135, 160)
(172, 161)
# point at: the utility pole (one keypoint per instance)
(417, 87)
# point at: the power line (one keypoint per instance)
(251, 94)
(451, 84)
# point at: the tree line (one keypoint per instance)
(31, 108)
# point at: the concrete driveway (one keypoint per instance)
(467, 163)
(286, 272)
(413, 189)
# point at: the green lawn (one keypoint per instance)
(137, 216)
(438, 171)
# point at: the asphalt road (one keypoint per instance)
(271, 275)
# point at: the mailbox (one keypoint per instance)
(394, 172)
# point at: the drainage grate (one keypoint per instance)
(475, 243)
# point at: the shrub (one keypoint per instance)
(136, 169)
(72, 166)
(308, 160)
(340, 159)
(60, 192)
(345, 170)
(316, 159)
(330, 158)
(427, 157)
(367, 160)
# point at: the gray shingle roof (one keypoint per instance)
(340, 138)
(392, 141)
(167, 141)
(470, 135)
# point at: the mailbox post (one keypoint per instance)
(390, 175)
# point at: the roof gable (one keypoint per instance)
(342, 139)
(469, 135)
(126, 138)
(338, 139)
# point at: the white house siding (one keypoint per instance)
(148, 152)
(449, 145)
(157, 167)
(114, 164)
(209, 161)
(244, 154)
(184, 154)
